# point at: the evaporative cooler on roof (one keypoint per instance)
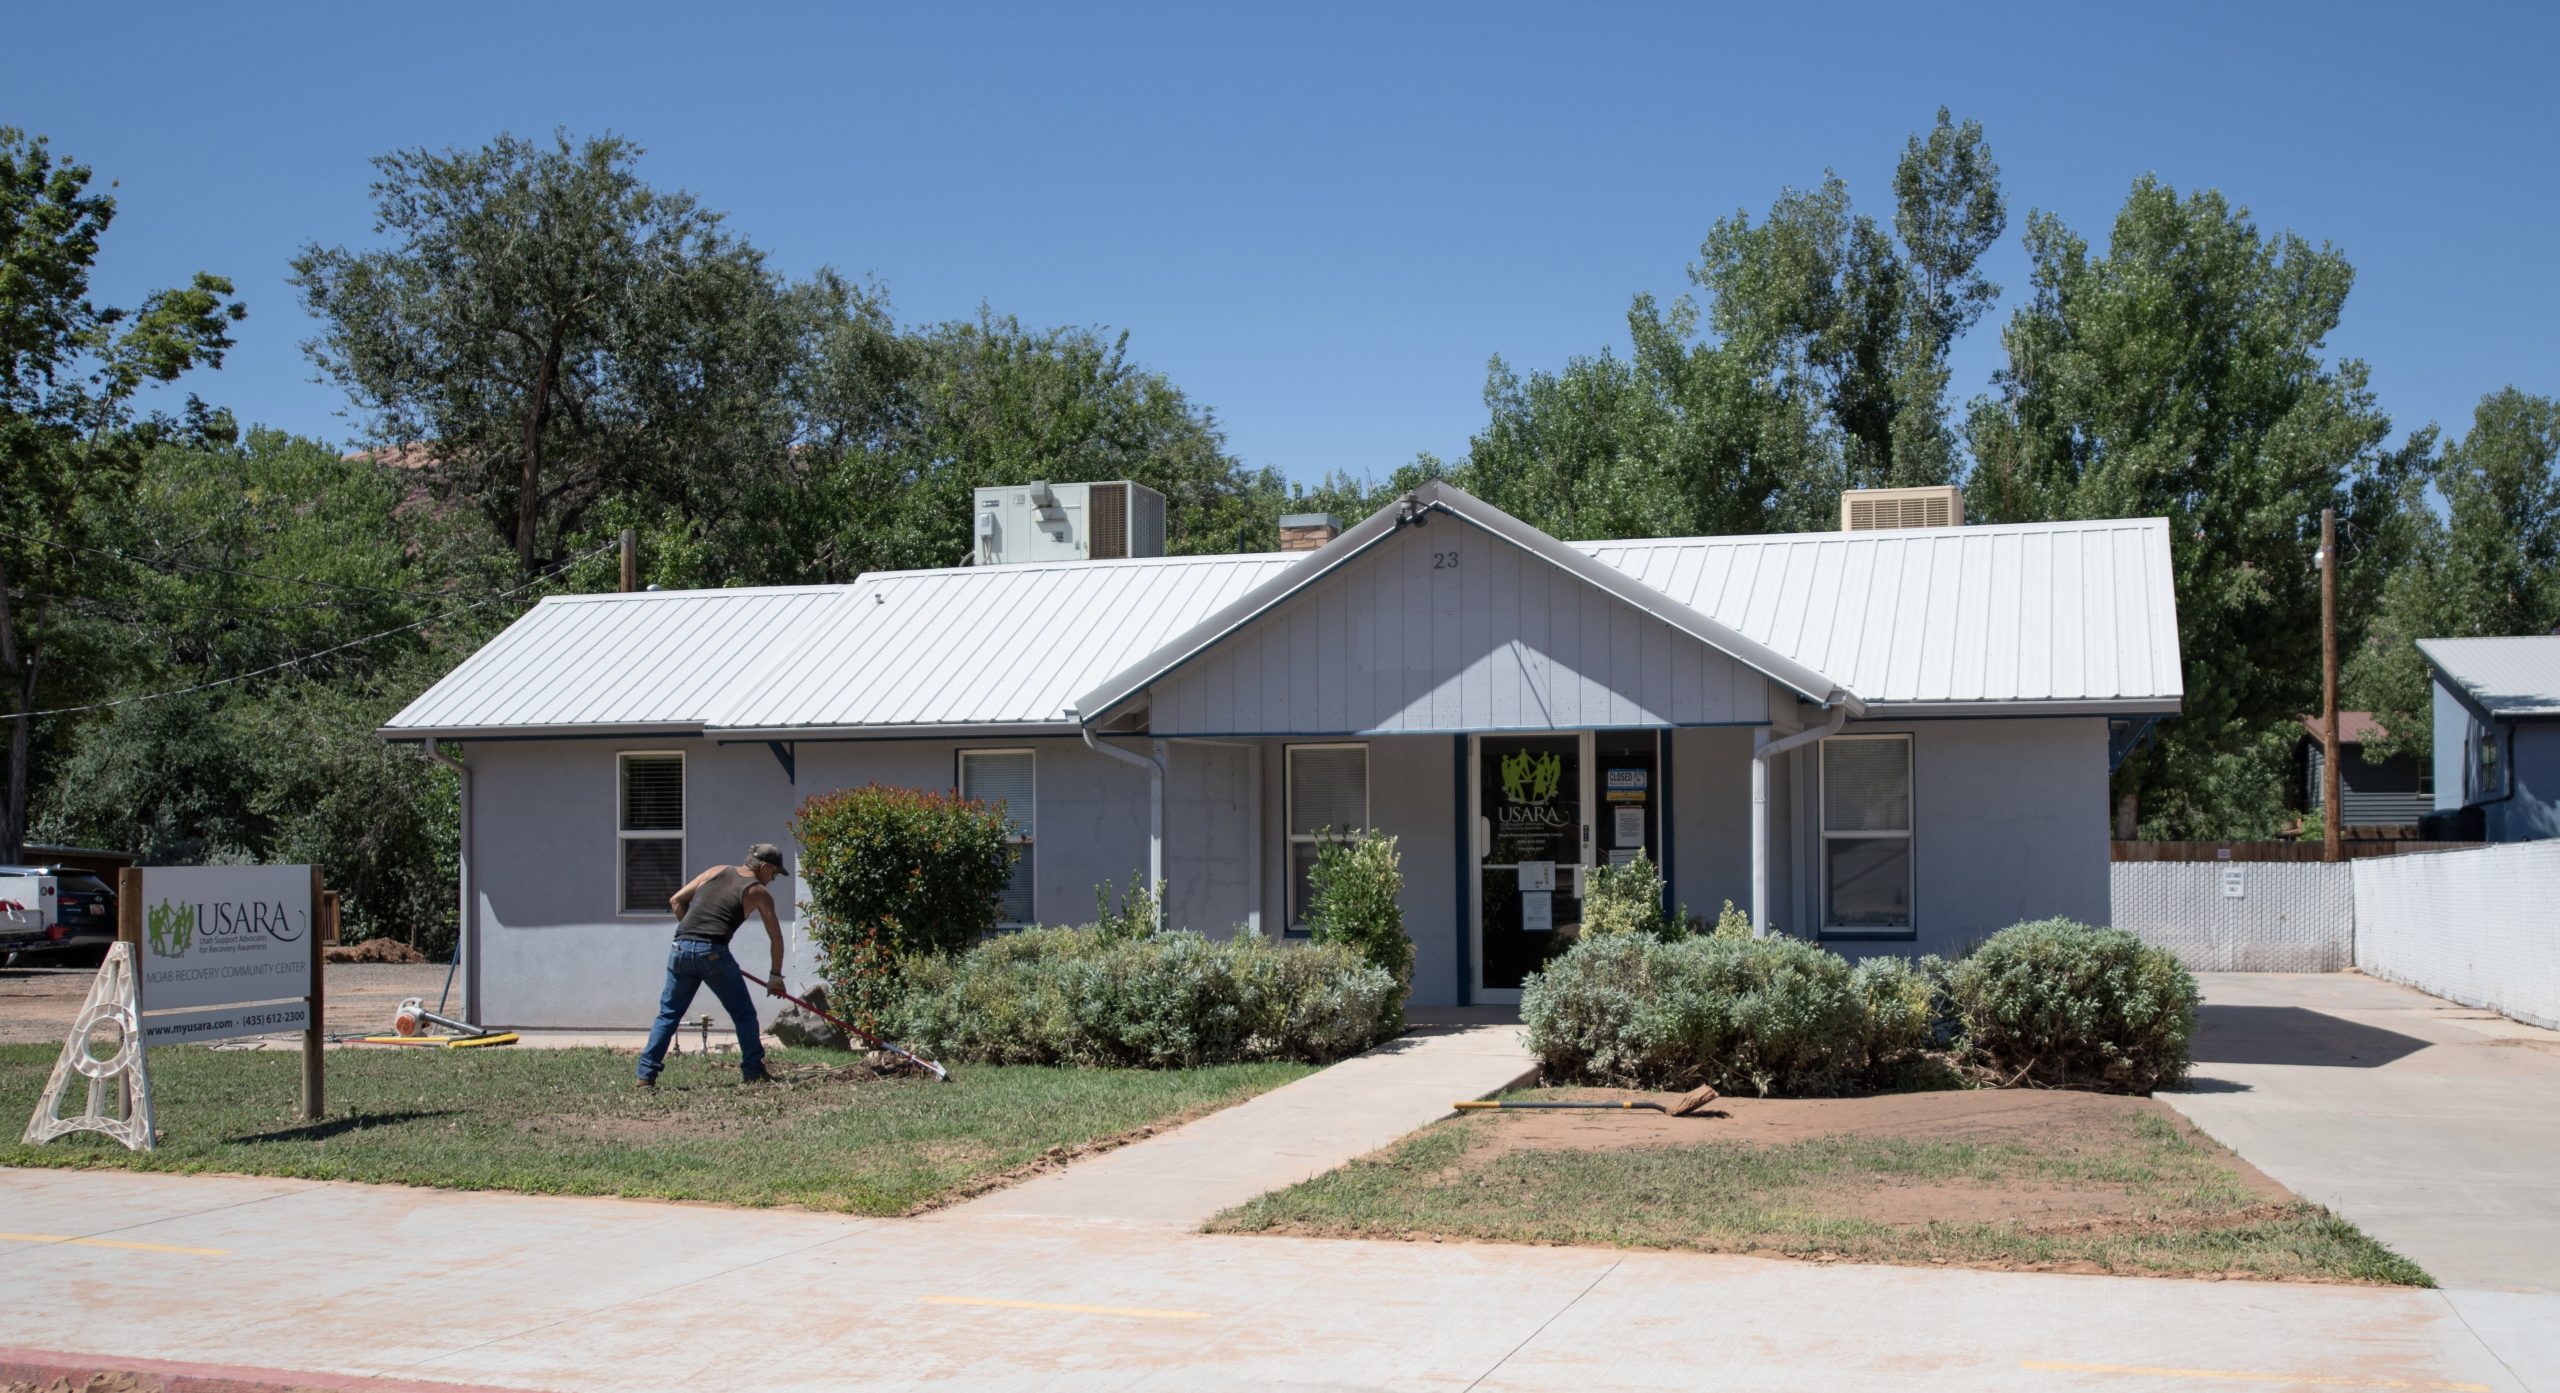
(1017, 523)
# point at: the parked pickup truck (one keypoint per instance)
(55, 913)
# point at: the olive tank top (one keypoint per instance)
(718, 908)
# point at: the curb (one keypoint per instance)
(38, 1366)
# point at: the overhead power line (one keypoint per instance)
(141, 697)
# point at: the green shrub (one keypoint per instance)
(1138, 912)
(892, 873)
(1166, 1000)
(1769, 1015)
(1628, 900)
(1731, 923)
(2062, 1004)
(1355, 890)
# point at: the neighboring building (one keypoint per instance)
(1893, 740)
(2497, 756)
(2375, 797)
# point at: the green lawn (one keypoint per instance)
(2142, 1194)
(569, 1122)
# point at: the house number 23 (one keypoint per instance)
(1444, 561)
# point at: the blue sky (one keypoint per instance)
(1321, 221)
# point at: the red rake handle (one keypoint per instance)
(848, 1028)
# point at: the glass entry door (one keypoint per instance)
(1533, 837)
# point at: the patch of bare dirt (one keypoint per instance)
(2039, 1118)
(372, 950)
(38, 1006)
(1979, 1115)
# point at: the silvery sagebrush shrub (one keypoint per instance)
(2059, 1003)
(1165, 1000)
(1768, 1015)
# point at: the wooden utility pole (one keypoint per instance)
(630, 560)
(2329, 849)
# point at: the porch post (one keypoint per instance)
(1760, 832)
(1155, 826)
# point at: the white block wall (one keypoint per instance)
(2478, 927)
(2290, 916)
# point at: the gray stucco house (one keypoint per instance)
(2497, 737)
(1893, 740)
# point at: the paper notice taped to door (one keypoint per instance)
(1537, 875)
(1630, 827)
(1538, 912)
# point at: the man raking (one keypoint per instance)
(709, 910)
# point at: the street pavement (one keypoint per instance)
(2435, 1127)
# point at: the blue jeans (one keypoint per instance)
(691, 966)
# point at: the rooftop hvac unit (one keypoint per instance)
(1016, 523)
(1877, 510)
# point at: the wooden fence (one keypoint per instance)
(2268, 851)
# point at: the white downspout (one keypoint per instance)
(465, 944)
(1762, 750)
(1155, 799)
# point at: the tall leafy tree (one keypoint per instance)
(2181, 373)
(1861, 319)
(550, 331)
(1682, 438)
(2489, 566)
(70, 372)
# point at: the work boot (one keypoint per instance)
(760, 1076)
(646, 1085)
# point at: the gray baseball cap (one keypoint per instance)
(770, 855)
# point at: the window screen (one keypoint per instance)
(1328, 788)
(1008, 777)
(1866, 833)
(1866, 784)
(650, 832)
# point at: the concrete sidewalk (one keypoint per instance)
(2435, 1127)
(516, 1291)
(1176, 1181)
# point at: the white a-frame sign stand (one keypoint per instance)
(118, 1086)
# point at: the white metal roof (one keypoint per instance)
(656, 660)
(986, 646)
(2502, 677)
(2053, 615)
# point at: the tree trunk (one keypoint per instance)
(13, 815)
(13, 802)
(529, 487)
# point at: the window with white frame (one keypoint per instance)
(649, 862)
(1007, 777)
(1328, 799)
(1866, 833)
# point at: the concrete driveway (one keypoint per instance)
(2435, 1127)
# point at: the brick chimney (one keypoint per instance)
(1308, 531)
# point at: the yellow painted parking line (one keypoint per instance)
(2247, 1376)
(1140, 1312)
(111, 1243)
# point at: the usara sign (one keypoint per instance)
(225, 951)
